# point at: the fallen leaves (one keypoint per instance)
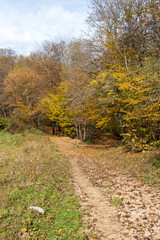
(24, 230)
(139, 213)
(60, 230)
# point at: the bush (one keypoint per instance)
(5, 124)
(154, 159)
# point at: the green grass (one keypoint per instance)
(8, 139)
(32, 174)
(116, 202)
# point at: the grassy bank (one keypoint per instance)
(32, 174)
(143, 165)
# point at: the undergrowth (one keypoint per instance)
(32, 174)
(143, 165)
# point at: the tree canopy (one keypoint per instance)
(110, 81)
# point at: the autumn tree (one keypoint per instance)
(126, 88)
(80, 66)
(55, 106)
(129, 28)
(24, 87)
(77, 69)
(35, 76)
(48, 61)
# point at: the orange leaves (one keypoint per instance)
(23, 88)
(24, 230)
(60, 230)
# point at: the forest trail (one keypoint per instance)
(97, 184)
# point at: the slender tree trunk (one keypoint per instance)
(80, 132)
(5, 115)
(27, 100)
(38, 122)
(84, 133)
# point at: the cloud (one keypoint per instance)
(22, 30)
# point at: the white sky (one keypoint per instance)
(26, 23)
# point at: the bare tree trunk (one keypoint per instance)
(5, 115)
(27, 100)
(80, 132)
(84, 133)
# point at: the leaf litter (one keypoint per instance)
(138, 213)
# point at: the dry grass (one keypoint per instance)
(32, 174)
(143, 165)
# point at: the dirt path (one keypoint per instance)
(96, 184)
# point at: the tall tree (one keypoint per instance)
(80, 65)
(127, 85)
(48, 61)
(132, 28)
(23, 88)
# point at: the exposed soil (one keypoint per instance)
(98, 183)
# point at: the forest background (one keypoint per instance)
(106, 82)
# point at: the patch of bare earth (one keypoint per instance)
(98, 183)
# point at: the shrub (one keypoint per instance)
(5, 124)
(154, 159)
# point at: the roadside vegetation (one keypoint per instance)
(145, 165)
(33, 174)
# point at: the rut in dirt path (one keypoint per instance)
(100, 209)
